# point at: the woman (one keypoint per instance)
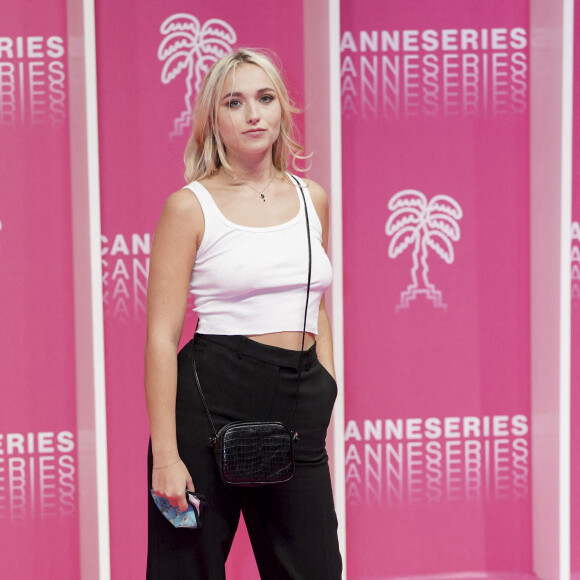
(236, 236)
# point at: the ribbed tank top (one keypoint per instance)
(252, 280)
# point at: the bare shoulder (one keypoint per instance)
(183, 201)
(317, 192)
(182, 217)
(319, 198)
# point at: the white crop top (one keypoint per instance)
(252, 280)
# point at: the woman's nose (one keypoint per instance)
(253, 115)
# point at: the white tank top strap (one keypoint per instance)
(203, 196)
(214, 226)
(312, 213)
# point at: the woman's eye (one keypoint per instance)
(267, 98)
(234, 103)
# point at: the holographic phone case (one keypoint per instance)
(190, 518)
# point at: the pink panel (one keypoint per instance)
(38, 483)
(575, 271)
(143, 132)
(436, 254)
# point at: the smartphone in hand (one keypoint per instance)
(190, 518)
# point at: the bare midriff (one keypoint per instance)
(289, 340)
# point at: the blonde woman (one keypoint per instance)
(236, 237)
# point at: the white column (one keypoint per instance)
(551, 171)
(322, 110)
(89, 333)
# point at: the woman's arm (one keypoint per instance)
(175, 244)
(324, 339)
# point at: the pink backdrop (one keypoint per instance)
(436, 287)
(575, 271)
(144, 97)
(38, 482)
(436, 315)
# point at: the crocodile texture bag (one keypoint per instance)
(256, 453)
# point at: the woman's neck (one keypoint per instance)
(251, 169)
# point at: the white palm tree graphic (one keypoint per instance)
(575, 263)
(423, 224)
(194, 48)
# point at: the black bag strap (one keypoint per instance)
(214, 438)
(307, 297)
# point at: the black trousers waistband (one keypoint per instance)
(247, 347)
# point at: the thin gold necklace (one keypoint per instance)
(261, 193)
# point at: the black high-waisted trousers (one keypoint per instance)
(292, 526)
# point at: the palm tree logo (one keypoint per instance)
(424, 225)
(575, 263)
(194, 48)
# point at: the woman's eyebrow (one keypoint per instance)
(239, 94)
(229, 95)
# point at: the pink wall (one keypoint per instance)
(436, 335)
(143, 134)
(436, 287)
(38, 483)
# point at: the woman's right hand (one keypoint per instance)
(171, 481)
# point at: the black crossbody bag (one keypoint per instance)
(256, 453)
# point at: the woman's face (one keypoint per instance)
(248, 112)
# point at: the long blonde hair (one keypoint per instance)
(205, 152)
